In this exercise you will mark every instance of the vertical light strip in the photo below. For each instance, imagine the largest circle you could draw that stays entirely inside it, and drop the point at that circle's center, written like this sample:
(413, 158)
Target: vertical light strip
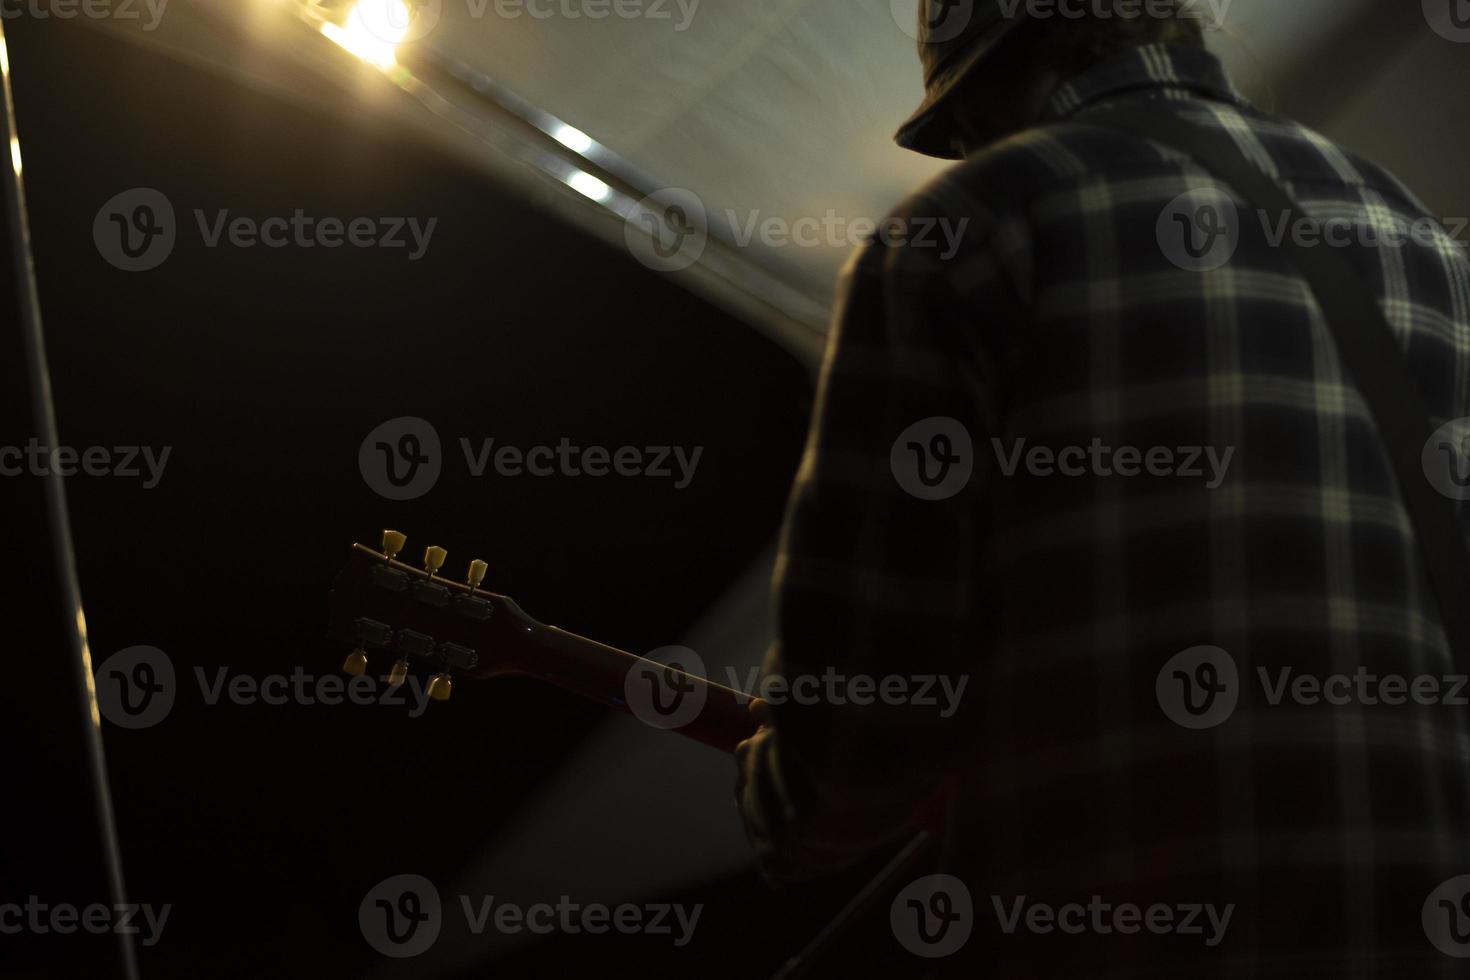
(72, 641)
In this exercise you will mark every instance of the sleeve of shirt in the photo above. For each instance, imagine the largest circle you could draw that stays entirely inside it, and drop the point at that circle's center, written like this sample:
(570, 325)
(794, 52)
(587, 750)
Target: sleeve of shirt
(880, 606)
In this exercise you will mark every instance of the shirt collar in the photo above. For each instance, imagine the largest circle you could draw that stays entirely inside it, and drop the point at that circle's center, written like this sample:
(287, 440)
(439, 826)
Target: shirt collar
(1166, 70)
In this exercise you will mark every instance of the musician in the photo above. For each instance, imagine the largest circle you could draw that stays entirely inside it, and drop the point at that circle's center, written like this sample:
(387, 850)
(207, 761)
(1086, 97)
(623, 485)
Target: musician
(1106, 464)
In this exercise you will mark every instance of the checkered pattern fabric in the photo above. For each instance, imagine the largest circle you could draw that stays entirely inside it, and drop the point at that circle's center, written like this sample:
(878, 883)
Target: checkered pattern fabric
(1100, 461)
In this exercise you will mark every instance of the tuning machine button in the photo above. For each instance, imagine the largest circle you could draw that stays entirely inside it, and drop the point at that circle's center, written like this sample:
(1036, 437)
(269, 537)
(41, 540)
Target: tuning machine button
(440, 687)
(393, 542)
(399, 672)
(476, 573)
(356, 663)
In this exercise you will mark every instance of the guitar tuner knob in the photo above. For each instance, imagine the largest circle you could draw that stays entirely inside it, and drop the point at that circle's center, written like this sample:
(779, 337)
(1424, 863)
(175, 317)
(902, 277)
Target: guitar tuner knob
(393, 542)
(398, 673)
(356, 663)
(440, 687)
(434, 558)
(477, 573)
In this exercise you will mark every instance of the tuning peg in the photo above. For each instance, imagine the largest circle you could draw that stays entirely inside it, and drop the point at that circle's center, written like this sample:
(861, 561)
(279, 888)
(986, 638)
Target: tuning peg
(477, 573)
(440, 687)
(434, 557)
(356, 663)
(398, 673)
(393, 542)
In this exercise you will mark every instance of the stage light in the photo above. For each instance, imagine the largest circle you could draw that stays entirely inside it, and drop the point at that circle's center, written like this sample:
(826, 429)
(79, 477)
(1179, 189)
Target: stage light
(372, 30)
(572, 138)
(589, 186)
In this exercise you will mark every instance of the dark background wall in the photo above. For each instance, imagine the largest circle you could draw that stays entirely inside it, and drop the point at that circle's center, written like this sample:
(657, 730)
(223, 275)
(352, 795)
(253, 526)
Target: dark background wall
(263, 370)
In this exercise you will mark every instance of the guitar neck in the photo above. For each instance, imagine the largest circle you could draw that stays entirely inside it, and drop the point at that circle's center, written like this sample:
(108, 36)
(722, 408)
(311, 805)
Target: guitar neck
(663, 697)
(391, 608)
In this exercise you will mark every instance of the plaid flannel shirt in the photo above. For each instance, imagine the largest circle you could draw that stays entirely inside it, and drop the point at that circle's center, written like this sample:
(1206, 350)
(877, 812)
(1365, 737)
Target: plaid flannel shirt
(1069, 326)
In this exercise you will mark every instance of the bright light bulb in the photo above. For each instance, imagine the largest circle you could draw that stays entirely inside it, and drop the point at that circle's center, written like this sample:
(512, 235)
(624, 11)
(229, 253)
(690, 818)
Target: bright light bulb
(589, 186)
(373, 30)
(572, 138)
(386, 20)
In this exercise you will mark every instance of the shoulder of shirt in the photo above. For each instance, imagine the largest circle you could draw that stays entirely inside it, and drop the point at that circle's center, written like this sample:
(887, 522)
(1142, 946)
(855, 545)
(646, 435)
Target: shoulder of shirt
(1003, 182)
(1007, 176)
(1000, 183)
(972, 200)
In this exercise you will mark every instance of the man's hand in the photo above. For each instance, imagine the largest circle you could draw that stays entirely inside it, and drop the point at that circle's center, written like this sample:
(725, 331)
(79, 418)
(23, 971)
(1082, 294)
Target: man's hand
(786, 850)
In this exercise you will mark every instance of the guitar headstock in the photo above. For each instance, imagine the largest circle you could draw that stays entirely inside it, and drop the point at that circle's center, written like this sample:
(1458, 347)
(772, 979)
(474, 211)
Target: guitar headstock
(404, 616)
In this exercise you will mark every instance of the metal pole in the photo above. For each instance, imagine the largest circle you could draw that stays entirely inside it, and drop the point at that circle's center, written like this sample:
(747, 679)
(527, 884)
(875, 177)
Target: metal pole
(59, 526)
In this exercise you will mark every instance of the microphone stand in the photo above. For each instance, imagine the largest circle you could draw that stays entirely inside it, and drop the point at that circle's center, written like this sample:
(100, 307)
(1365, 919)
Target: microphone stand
(63, 557)
(857, 907)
